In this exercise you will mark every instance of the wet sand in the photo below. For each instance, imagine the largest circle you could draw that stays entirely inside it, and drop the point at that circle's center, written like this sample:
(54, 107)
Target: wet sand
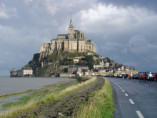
(13, 85)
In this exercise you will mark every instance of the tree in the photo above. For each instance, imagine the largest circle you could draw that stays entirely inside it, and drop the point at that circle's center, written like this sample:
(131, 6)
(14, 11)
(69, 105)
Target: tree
(108, 59)
(90, 61)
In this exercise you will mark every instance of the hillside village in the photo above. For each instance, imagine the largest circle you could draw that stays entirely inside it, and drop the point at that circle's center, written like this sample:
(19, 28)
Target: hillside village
(70, 55)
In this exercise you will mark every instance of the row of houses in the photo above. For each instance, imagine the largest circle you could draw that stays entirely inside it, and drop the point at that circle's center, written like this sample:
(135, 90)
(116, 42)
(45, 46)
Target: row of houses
(24, 72)
(102, 67)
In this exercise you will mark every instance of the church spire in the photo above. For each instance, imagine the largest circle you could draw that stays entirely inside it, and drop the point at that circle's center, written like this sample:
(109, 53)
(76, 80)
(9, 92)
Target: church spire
(71, 24)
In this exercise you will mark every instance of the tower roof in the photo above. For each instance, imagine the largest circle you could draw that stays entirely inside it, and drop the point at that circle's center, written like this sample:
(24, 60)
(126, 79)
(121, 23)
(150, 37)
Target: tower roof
(71, 24)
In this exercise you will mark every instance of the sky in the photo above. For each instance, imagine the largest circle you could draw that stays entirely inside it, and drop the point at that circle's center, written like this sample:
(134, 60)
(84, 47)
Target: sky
(123, 30)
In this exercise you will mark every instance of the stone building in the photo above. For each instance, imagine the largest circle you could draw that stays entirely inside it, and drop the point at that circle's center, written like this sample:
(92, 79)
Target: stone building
(24, 72)
(13, 73)
(74, 41)
(100, 65)
(27, 71)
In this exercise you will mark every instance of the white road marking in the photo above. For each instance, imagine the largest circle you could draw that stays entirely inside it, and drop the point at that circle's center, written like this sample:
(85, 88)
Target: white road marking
(119, 86)
(126, 94)
(139, 114)
(123, 90)
(131, 101)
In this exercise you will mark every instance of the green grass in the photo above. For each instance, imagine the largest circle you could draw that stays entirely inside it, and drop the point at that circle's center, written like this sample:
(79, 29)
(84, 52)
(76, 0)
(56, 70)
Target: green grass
(61, 88)
(27, 91)
(100, 104)
(18, 93)
(29, 103)
(23, 100)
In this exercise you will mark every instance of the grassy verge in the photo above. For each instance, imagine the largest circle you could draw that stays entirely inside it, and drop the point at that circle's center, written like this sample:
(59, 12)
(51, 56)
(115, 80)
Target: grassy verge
(40, 100)
(81, 79)
(27, 91)
(99, 106)
(18, 93)
(23, 100)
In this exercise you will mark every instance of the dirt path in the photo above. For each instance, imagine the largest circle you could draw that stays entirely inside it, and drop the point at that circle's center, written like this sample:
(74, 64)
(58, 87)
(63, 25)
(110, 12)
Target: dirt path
(65, 106)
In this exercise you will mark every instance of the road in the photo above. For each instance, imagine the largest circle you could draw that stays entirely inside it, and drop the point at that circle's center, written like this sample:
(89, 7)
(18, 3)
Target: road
(134, 99)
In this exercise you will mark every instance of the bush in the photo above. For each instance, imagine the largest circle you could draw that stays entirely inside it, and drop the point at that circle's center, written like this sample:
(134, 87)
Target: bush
(90, 61)
(81, 79)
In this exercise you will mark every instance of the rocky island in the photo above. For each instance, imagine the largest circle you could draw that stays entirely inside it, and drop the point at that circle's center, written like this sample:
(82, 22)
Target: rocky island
(70, 55)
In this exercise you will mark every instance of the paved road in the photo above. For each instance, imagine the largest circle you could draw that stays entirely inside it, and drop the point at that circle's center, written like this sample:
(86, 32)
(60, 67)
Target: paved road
(134, 99)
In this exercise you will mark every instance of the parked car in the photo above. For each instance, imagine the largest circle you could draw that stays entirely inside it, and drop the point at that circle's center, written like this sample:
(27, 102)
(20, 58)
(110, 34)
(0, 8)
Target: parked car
(135, 76)
(140, 75)
(119, 76)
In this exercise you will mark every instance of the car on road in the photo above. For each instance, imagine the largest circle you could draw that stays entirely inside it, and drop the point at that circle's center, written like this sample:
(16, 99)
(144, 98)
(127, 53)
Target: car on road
(139, 75)
(119, 76)
(135, 76)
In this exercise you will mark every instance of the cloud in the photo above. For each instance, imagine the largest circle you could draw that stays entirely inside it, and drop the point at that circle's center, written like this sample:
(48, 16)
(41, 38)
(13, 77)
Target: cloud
(5, 12)
(28, 1)
(18, 47)
(122, 32)
(48, 5)
(149, 4)
(140, 46)
(120, 18)
(118, 31)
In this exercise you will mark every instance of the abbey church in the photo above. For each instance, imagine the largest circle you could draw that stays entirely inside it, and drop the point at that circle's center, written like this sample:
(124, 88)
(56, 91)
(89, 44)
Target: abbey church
(74, 41)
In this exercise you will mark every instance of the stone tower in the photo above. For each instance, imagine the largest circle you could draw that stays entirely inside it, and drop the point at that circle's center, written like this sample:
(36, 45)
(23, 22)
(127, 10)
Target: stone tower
(71, 30)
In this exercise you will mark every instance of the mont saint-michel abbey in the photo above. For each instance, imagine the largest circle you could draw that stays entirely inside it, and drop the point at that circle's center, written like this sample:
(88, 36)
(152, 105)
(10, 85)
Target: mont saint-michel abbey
(74, 41)
(65, 57)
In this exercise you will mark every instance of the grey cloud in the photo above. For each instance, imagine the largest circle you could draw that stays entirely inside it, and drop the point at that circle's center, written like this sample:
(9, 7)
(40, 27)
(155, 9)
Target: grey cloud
(150, 4)
(114, 30)
(139, 45)
(5, 12)
(127, 35)
(35, 22)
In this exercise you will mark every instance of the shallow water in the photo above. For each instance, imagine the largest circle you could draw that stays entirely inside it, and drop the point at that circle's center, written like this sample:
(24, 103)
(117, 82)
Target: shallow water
(12, 85)
(11, 99)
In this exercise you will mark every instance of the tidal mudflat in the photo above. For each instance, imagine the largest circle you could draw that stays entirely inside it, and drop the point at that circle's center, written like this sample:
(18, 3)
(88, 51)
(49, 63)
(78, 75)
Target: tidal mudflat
(12, 85)
(11, 97)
